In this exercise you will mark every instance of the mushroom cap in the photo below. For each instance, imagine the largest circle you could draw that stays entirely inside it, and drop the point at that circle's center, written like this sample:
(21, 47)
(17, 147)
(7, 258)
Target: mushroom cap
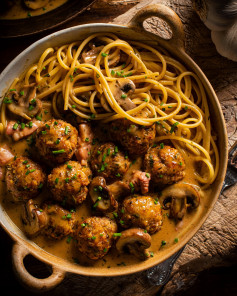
(121, 88)
(136, 241)
(23, 105)
(178, 197)
(101, 196)
(33, 218)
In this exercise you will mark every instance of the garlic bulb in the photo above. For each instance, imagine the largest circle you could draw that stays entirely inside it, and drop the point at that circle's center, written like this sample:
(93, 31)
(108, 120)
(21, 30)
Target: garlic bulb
(220, 16)
(226, 42)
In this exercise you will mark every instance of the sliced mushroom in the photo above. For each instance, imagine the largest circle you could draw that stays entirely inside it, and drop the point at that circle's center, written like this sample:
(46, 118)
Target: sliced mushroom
(119, 189)
(101, 196)
(33, 218)
(121, 89)
(180, 197)
(25, 104)
(35, 4)
(134, 241)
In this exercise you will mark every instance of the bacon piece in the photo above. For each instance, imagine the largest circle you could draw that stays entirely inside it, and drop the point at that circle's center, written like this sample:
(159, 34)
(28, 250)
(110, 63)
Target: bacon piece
(141, 180)
(5, 155)
(19, 133)
(84, 143)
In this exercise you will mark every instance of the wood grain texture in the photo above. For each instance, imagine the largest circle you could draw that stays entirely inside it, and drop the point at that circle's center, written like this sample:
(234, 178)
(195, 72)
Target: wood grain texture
(215, 243)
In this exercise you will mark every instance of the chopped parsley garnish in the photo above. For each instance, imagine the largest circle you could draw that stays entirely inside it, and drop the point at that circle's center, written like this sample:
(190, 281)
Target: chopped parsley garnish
(131, 187)
(44, 132)
(69, 239)
(38, 117)
(66, 180)
(56, 180)
(145, 231)
(22, 93)
(15, 126)
(25, 162)
(163, 243)
(69, 166)
(123, 96)
(176, 240)
(73, 106)
(93, 237)
(30, 124)
(57, 141)
(7, 101)
(117, 234)
(112, 72)
(147, 175)
(173, 127)
(104, 54)
(66, 130)
(162, 145)
(86, 139)
(118, 175)
(58, 151)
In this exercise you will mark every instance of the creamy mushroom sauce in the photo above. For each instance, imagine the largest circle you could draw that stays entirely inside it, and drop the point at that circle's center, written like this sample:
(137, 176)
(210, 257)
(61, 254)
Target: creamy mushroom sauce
(169, 234)
(19, 11)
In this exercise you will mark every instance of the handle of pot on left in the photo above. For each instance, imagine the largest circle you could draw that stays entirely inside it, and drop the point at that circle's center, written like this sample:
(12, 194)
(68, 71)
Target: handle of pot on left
(19, 252)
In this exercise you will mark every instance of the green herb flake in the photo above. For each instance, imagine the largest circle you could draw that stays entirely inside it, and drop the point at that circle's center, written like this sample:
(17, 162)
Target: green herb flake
(44, 132)
(173, 127)
(23, 125)
(15, 126)
(104, 54)
(66, 180)
(123, 96)
(30, 124)
(25, 162)
(131, 187)
(162, 145)
(176, 240)
(69, 239)
(147, 175)
(163, 243)
(58, 151)
(116, 234)
(69, 166)
(38, 117)
(66, 130)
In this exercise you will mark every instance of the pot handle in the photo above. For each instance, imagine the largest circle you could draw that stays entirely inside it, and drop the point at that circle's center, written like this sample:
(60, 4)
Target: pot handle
(19, 252)
(166, 14)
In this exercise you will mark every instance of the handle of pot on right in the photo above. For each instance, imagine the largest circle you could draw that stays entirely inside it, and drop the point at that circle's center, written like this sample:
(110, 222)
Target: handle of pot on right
(166, 14)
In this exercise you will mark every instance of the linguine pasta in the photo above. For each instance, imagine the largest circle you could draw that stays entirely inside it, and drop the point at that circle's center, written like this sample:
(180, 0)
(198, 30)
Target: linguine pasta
(166, 93)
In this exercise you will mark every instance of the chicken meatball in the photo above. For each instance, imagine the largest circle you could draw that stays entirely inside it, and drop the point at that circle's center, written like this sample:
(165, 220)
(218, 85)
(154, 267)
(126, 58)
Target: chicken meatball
(94, 236)
(56, 141)
(135, 138)
(68, 182)
(141, 211)
(24, 179)
(165, 164)
(109, 162)
(60, 221)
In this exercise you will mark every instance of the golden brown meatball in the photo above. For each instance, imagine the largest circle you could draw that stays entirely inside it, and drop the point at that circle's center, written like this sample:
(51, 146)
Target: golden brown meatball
(165, 164)
(60, 221)
(68, 182)
(108, 161)
(134, 138)
(141, 211)
(56, 141)
(95, 236)
(24, 179)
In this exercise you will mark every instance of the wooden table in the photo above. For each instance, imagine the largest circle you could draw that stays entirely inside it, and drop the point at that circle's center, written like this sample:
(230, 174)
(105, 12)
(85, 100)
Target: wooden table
(208, 264)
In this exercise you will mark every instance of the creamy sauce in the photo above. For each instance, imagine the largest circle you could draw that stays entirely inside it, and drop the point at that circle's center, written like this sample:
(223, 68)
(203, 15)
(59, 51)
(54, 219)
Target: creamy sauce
(170, 232)
(19, 11)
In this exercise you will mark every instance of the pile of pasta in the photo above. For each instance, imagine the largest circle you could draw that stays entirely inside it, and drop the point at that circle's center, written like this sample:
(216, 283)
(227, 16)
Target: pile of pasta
(166, 93)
